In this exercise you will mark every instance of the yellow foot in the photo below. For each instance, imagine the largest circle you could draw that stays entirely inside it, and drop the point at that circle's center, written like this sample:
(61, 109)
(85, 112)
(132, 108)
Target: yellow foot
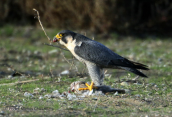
(89, 87)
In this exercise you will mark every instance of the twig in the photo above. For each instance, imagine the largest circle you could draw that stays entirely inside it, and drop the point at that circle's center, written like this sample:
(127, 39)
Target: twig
(15, 71)
(55, 46)
(46, 33)
(42, 25)
(72, 64)
(51, 73)
(19, 82)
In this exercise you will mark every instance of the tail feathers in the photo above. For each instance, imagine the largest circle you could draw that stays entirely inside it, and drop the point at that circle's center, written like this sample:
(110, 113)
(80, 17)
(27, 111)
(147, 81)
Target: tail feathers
(135, 71)
(140, 66)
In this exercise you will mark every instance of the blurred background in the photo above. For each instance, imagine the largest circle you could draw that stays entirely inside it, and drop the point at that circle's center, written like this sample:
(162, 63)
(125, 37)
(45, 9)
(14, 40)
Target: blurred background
(121, 25)
(127, 17)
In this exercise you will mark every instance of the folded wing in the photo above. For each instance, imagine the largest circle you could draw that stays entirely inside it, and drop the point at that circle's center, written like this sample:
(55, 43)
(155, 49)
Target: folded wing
(102, 56)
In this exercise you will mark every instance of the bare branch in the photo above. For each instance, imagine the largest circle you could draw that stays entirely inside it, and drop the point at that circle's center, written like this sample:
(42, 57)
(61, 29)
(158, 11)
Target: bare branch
(46, 33)
(55, 46)
(19, 82)
(72, 64)
(42, 25)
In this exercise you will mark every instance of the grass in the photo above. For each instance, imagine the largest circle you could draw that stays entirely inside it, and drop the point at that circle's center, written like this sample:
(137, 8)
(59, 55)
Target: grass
(27, 55)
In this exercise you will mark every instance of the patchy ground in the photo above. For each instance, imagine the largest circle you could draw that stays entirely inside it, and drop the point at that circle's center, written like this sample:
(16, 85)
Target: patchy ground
(27, 66)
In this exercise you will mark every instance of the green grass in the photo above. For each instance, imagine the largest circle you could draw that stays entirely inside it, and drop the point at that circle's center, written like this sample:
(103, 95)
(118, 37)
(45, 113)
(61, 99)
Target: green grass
(27, 54)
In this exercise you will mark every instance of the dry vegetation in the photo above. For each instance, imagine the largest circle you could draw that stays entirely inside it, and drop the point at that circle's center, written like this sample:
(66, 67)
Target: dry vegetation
(131, 16)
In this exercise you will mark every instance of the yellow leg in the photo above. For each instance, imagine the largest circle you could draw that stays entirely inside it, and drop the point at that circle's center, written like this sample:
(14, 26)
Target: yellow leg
(89, 87)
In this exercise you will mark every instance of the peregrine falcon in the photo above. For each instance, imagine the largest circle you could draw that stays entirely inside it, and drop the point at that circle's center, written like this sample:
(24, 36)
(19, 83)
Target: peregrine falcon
(95, 56)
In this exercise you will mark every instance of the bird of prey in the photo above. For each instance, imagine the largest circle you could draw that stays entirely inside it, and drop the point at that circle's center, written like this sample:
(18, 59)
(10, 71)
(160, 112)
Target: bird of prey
(95, 56)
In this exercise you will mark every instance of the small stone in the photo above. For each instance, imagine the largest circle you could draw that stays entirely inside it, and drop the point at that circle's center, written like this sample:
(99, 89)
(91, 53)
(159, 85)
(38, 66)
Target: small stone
(163, 84)
(18, 57)
(47, 96)
(164, 89)
(55, 94)
(9, 69)
(36, 52)
(41, 97)
(86, 93)
(98, 93)
(116, 93)
(22, 76)
(43, 90)
(2, 113)
(137, 96)
(124, 83)
(9, 76)
(53, 51)
(26, 94)
(28, 52)
(48, 99)
(71, 96)
(55, 91)
(64, 94)
(36, 90)
(82, 96)
(156, 86)
(20, 104)
(160, 59)
(23, 50)
(127, 91)
(152, 84)
(66, 72)
(149, 94)
(137, 83)
(107, 75)
(94, 98)
(43, 66)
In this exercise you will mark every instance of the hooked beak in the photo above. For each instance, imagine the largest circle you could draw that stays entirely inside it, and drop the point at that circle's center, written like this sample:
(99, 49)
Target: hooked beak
(57, 38)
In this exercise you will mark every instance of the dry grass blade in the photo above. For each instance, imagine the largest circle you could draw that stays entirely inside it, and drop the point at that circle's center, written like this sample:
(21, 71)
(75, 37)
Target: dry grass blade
(19, 82)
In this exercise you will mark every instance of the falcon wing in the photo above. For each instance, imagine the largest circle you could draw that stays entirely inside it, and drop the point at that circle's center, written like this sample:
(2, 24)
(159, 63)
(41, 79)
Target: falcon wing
(99, 54)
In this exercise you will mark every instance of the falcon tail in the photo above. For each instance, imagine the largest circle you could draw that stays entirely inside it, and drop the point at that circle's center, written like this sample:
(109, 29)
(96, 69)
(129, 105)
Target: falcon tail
(139, 66)
(135, 71)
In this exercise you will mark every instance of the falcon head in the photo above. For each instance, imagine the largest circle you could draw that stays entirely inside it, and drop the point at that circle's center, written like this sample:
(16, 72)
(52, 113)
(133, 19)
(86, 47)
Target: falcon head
(64, 36)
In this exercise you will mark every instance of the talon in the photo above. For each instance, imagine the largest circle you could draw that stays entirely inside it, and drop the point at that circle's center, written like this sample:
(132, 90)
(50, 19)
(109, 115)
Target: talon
(89, 87)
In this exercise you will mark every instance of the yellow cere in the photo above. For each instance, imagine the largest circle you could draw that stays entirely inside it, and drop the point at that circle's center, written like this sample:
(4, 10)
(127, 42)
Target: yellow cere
(58, 36)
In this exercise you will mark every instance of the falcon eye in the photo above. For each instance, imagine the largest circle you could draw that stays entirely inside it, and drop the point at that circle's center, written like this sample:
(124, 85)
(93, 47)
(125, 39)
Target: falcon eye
(61, 34)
